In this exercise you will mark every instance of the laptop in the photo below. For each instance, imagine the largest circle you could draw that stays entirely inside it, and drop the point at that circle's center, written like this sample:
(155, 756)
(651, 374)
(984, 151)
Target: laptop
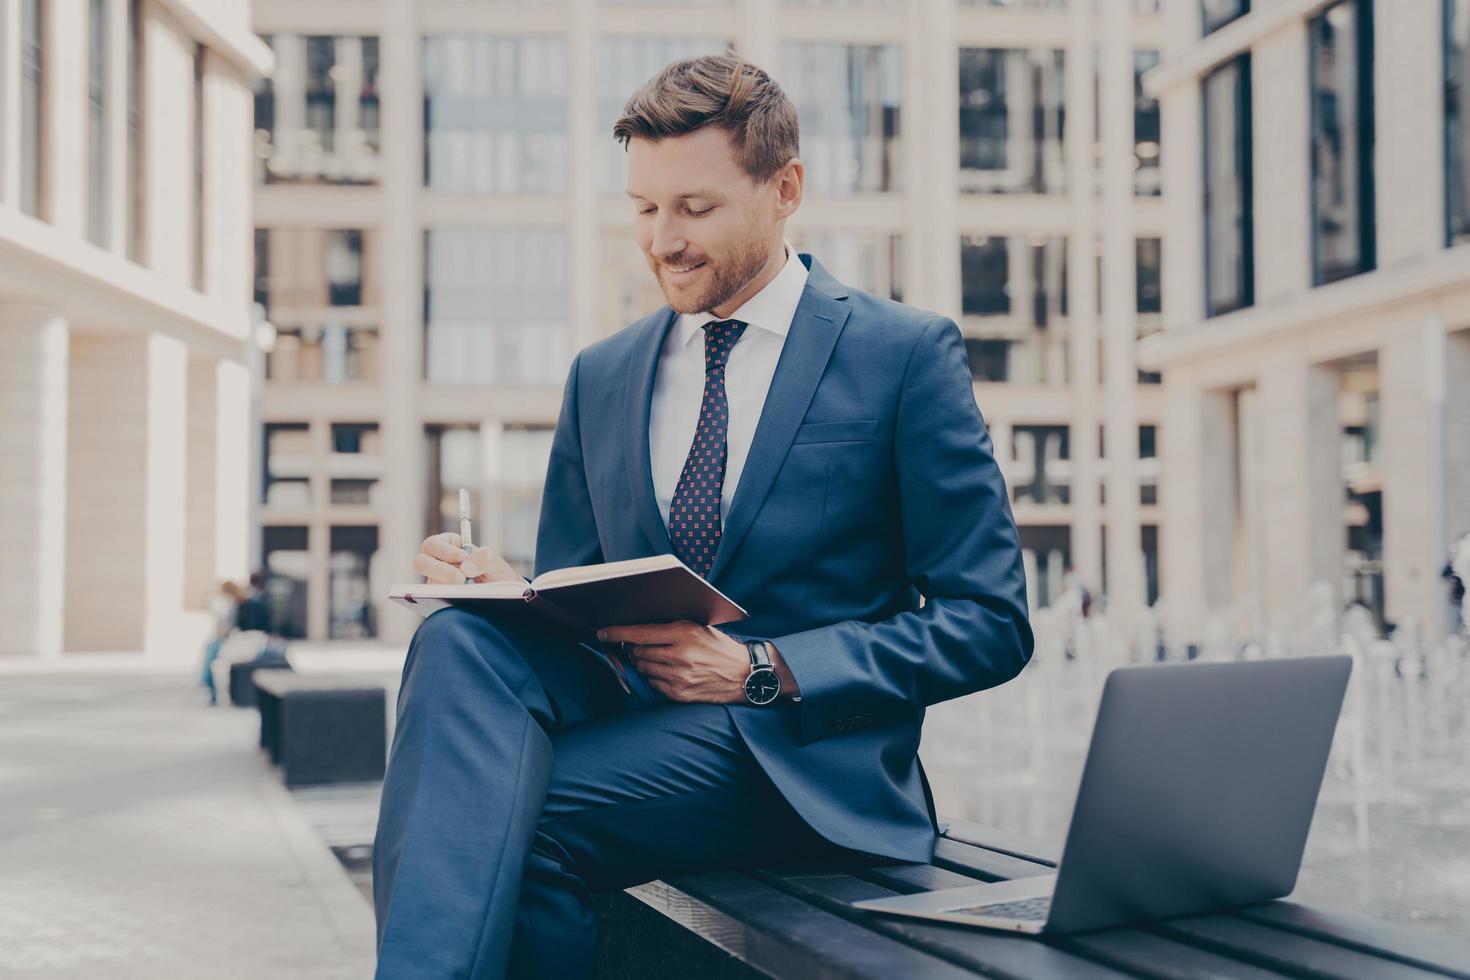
(1197, 795)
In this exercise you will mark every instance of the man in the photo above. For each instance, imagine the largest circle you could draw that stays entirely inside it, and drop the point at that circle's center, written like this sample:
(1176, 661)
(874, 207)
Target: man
(824, 463)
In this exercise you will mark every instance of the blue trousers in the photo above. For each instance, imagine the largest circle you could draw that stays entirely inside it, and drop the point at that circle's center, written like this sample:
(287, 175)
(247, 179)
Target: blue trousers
(521, 780)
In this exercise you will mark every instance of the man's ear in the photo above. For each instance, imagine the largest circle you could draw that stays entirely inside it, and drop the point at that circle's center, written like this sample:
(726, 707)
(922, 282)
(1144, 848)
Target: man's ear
(790, 184)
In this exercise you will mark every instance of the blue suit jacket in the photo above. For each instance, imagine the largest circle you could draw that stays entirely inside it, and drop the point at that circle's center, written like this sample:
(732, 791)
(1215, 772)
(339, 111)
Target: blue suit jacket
(870, 482)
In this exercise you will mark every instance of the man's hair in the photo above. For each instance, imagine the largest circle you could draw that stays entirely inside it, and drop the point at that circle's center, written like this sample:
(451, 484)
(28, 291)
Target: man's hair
(717, 90)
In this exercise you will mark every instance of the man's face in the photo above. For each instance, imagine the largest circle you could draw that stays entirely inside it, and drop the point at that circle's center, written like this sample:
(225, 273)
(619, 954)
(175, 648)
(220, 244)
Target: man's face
(704, 225)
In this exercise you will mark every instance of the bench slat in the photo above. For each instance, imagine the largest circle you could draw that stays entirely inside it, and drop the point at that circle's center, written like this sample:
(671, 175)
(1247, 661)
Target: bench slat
(1266, 946)
(1440, 953)
(964, 851)
(993, 954)
(1128, 949)
(779, 934)
(995, 839)
(977, 862)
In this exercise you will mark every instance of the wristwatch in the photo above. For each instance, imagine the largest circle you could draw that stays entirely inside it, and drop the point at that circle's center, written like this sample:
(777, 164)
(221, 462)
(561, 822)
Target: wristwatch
(762, 684)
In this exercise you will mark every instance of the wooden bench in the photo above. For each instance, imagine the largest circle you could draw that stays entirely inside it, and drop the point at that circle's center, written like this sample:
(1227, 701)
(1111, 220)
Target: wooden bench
(322, 728)
(781, 924)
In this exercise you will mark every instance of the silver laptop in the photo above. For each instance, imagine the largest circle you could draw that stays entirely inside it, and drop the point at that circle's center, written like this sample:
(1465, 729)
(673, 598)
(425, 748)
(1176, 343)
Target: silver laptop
(1197, 795)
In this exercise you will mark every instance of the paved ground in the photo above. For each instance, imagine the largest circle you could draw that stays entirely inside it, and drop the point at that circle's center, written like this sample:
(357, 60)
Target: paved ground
(143, 836)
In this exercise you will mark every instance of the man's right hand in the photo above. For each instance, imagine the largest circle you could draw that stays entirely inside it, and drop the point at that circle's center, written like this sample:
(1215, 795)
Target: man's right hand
(442, 560)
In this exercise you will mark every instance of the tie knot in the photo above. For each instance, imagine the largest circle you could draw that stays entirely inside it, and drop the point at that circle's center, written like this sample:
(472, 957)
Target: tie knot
(719, 340)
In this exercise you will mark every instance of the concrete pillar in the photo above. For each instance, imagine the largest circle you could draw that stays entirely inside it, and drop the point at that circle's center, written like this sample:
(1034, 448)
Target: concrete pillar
(1126, 582)
(1411, 392)
(402, 332)
(237, 486)
(585, 142)
(757, 40)
(1281, 177)
(931, 164)
(201, 481)
(10, 145)
(1408, 121)
(1302, 532)
(1082, 293)
(33, 397)
(1200, 507)
(1457, 435)
(64, 186)
(126, 495)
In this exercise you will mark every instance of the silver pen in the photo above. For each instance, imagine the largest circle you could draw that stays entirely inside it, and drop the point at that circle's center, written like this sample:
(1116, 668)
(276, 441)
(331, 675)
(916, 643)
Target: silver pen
(464, 521)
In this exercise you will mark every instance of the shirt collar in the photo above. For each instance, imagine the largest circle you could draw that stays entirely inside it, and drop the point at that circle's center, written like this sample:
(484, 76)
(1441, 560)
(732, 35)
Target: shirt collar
(770, 309)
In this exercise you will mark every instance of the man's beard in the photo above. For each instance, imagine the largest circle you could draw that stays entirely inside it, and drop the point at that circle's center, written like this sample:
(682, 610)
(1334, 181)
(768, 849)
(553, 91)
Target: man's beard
(726, 278)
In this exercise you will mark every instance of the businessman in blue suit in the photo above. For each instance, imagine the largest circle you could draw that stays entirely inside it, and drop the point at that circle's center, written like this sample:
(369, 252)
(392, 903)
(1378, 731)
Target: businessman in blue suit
(813, 451)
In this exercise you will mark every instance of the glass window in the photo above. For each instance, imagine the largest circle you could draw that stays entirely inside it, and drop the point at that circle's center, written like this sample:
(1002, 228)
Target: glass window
(1229, 250)
(302, 271)
(524, 453)
(135, 132)
(1013, 299)
(356, 438)
(287, 562)
(870, 261)
(1150, 260)
(98, 171)
(495, 114)
(309, 127)
(343, 267)
(624, 64)
(197, 255)
(32, 84)
(847, 97)
(1341, 73)
(1011, 121)
(1046, 553)
(329, 352)
(351, 614)
(1147, 146)
(496, 306)
(455, 463)
(286, 470)
(1041, 469)
(1457, 133)
(1215, 14)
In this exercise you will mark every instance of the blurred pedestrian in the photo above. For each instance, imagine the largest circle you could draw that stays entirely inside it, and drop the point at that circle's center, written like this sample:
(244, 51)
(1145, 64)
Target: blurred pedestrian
(224, 607)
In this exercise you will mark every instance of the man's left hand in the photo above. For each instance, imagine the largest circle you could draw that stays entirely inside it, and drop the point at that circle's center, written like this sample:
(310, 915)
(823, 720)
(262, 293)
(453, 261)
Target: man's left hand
(687, 661)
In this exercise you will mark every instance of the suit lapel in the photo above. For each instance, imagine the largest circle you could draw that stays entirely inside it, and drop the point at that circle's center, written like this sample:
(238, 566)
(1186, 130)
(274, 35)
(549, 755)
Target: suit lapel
(638, 402)
(819, 320)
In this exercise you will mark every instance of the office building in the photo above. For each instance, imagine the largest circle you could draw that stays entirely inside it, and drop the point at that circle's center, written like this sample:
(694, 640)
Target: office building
(124, 317)
(440, 226)
(1316, 355)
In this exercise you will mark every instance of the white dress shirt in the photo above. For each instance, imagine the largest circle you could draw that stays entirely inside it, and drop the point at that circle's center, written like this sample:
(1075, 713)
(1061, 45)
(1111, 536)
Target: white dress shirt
(678, 387)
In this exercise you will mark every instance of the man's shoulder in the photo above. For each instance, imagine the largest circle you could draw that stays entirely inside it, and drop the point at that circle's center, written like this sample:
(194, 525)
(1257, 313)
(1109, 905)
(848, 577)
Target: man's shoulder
(612, 352)
(887, 321)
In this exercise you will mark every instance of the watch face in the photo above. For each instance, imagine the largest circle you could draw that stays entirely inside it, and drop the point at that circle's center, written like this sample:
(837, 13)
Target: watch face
(762, 686)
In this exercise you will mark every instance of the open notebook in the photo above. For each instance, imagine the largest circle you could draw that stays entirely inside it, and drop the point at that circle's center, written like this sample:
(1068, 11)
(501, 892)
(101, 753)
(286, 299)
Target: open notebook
(585, 598)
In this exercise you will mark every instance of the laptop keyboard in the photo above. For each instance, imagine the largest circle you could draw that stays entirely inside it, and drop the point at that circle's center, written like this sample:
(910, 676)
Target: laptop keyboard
(1026, 908)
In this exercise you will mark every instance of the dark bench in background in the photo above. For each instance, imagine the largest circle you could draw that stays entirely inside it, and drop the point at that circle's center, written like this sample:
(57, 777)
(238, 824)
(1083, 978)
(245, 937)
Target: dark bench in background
(783, 924)
(322, 728)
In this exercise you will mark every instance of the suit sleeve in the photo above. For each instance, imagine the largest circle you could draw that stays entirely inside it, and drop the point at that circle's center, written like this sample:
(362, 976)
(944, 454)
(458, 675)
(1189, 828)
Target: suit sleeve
(961, 552)
(567, 533)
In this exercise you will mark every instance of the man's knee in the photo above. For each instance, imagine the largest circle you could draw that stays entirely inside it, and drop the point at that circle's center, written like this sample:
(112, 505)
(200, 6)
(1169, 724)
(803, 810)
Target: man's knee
(456, 639)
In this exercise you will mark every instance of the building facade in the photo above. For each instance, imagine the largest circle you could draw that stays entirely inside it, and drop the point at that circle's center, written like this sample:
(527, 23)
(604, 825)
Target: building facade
(1316, 355)
(440, 225)
(124, 317)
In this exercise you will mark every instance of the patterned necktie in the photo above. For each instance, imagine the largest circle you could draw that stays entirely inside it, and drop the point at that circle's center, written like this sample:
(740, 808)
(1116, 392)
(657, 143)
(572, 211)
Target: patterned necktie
(694, 513)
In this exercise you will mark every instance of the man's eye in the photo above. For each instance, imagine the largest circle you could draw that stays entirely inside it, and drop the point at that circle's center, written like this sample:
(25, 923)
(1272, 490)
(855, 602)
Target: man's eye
(647, 210)
(700, 212)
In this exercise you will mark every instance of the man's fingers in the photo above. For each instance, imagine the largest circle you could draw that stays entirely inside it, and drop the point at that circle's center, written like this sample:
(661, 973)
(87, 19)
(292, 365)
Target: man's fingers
(647, 633)
(444, 547)
(436, 571)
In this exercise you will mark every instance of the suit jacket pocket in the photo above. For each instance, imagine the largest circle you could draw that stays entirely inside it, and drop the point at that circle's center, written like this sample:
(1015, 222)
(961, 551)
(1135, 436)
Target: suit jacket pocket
(846, 430)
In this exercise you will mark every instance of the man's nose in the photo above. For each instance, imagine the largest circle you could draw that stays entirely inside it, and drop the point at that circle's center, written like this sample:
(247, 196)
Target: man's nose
(667, 239)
